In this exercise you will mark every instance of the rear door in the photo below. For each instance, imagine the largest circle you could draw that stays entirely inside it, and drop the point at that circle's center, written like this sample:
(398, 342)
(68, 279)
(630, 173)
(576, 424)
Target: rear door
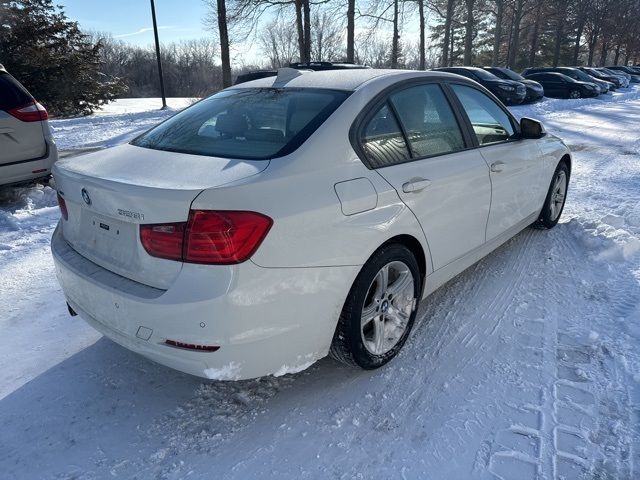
(19, 140)
(515, 165)
(553, 85)
(414, 141)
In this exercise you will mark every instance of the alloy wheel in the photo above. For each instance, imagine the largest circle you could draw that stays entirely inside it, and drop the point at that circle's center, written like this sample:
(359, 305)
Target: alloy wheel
(558, 195)
(387, 308)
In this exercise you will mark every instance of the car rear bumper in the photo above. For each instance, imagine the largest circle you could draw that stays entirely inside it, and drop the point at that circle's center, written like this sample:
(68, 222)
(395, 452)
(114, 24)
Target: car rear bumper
(17, 172)
(265, 320)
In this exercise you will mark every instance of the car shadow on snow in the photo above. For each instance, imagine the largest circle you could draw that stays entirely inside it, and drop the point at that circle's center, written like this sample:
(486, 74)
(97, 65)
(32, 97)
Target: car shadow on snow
(108, 412)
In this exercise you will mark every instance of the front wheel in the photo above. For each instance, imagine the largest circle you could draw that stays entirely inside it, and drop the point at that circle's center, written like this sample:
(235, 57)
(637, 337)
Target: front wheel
(556, 198)
(380, 309)
(574, 94)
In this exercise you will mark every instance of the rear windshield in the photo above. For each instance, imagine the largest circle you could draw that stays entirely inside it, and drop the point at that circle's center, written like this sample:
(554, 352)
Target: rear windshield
(12, 94)
(253, 123)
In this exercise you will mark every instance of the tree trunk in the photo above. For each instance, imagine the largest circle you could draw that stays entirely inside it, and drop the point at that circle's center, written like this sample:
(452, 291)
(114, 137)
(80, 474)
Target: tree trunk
(617, 56)
(517, 18)
(422, 65)
(576, 46)
(224, 43)
(447, 33)
(306, 10)
(300, 29)
(535, 35)
(604, 52)
(468, 34)
(497, 34)
(560, 19)
(351, 30)
(395, 41)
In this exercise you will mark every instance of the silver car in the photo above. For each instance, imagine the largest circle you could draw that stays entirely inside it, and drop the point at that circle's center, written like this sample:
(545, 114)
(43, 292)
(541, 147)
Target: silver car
(27, 150)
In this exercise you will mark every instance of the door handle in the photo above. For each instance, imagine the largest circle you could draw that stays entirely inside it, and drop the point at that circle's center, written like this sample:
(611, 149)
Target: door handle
(496, 167)
(415, 185)
(6, 130)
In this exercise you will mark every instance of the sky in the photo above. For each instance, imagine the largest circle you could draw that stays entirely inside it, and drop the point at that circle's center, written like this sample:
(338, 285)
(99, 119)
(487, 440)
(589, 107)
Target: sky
(130, 20)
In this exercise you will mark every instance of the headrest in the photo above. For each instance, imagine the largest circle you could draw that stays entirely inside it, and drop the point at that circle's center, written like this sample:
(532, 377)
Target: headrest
(232, 124)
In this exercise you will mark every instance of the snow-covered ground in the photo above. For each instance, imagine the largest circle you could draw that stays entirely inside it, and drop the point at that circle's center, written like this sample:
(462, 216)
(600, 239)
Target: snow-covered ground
(115, 123)
(526, 366)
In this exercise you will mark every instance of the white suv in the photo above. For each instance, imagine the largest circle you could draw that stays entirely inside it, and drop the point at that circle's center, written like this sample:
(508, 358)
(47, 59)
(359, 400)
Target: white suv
(27, 150)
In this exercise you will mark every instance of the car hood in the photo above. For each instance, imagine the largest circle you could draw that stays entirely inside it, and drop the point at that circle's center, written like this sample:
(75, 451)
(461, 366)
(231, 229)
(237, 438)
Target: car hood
(531, 83)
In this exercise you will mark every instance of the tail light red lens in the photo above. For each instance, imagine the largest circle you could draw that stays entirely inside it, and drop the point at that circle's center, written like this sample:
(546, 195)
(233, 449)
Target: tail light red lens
(63, 207)
(163, 241)
(208, 237)
(31, 112)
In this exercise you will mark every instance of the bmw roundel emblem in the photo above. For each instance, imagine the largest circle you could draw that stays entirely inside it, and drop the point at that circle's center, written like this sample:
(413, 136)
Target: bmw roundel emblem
(86, 197)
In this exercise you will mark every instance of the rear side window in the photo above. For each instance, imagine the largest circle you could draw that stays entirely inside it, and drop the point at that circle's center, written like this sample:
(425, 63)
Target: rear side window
(428, 120)
(490, 123)
(382, 140)
(12, 94)
(256, 124)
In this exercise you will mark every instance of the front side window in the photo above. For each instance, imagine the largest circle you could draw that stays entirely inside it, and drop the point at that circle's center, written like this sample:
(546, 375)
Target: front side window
(382, 140)
(428, 120)
(490, 123)
(254, 123)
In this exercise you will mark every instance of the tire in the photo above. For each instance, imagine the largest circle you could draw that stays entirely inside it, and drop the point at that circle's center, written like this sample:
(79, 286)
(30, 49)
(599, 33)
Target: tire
(575, 94)
(553, 203)
(390, 309)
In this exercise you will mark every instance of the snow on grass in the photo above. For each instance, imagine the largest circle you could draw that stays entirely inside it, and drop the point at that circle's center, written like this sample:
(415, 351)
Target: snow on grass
(116, 123)
(525, 366)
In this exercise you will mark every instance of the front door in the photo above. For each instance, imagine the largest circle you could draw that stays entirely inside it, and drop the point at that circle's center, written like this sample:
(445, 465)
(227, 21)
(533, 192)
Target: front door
(515, 165)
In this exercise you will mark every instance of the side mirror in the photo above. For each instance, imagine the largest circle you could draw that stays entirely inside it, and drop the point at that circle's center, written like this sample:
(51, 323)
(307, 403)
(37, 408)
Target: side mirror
(530, 128)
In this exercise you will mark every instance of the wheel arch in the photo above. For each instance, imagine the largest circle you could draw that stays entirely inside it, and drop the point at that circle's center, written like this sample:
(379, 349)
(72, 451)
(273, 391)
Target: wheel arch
(566, 158)
(414, 245)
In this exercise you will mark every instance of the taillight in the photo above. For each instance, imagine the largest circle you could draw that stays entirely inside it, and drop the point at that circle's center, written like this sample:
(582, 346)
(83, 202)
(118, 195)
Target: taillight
(163, 241)
(31, 112)
(208, 237)
(63, 207)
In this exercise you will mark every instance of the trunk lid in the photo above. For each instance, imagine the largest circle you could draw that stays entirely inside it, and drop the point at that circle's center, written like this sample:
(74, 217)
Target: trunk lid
(110, 193)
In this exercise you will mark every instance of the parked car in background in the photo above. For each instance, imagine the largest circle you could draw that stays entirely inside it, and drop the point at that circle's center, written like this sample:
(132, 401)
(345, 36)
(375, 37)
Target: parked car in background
(508, 91)
(534, 92)
(615, 80)
(571, 72)
(315, 66)
(633, 74)
(27, 150)
(276, 222)
(625, 78)
(559, 85)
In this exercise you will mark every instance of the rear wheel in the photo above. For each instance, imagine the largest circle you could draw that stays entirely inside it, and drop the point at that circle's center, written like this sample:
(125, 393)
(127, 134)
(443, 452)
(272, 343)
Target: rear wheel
(556, 197)
(380, 309)
(574, 94)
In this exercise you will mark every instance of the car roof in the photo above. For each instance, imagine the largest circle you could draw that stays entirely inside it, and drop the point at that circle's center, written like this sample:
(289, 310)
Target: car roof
(348, 79)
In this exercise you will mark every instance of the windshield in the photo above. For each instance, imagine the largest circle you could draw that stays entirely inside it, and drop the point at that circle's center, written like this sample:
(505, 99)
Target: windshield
(483, 74)
(253, 123)
(580, 75)
(510, 74)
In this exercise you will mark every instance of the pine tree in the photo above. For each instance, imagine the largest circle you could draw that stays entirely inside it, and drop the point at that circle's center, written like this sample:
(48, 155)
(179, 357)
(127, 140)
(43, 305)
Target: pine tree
(53, 59)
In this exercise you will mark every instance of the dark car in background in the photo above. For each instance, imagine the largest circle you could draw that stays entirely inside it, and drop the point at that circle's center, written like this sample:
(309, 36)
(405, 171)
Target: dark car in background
(558, 85)
(615, 80)
(635, 75)
(535, 91)
(315, 66)
(571, 72)
(508, 91)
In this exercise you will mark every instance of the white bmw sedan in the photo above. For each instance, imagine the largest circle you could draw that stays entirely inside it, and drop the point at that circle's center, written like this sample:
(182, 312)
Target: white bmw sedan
(297, 216)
